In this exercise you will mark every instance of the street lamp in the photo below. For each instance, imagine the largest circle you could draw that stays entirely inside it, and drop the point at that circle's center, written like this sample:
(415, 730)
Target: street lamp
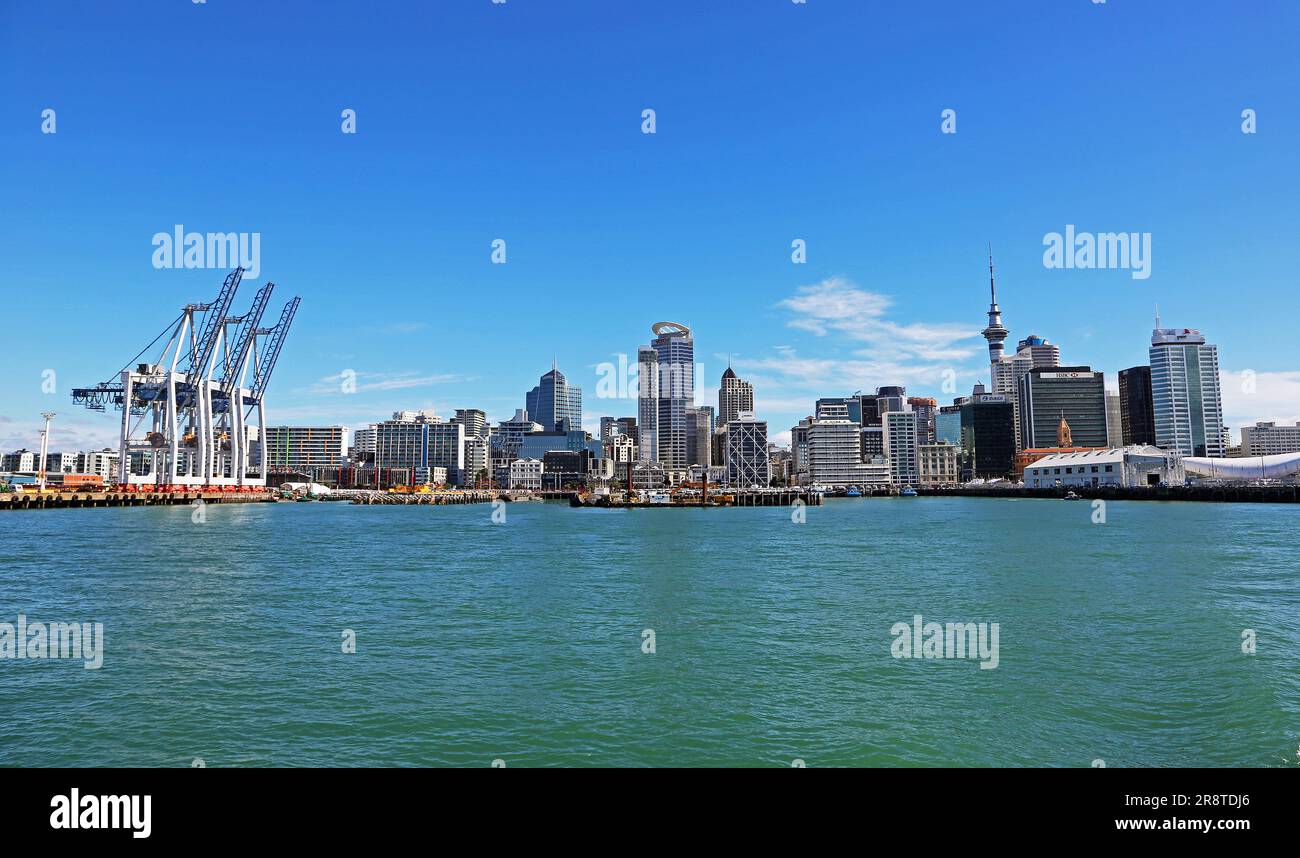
(45, 446)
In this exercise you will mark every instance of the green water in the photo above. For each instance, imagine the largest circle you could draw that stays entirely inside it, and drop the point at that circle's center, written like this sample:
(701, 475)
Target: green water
(522, 641)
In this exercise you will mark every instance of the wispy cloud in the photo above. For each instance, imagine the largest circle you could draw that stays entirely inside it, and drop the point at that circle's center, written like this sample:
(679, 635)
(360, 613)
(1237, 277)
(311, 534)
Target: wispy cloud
(368, 382)
(837, 305)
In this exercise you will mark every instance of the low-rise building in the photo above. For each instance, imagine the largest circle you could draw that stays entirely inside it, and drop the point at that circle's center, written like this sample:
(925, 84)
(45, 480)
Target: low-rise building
(1269, 439)
(1126, 467)
(939, 464)
(526, 474)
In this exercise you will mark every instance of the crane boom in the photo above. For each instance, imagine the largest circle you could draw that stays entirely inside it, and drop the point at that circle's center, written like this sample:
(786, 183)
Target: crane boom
(238, 351)
(271, 349)
(207, 341)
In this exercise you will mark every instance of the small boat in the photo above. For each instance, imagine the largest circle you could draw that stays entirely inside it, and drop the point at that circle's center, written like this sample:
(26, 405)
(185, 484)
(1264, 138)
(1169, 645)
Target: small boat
(907, 492)
(853, 492)
(1071, 496)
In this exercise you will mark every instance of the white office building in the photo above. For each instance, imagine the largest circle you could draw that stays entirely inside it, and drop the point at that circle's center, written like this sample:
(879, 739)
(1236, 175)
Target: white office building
(899, 429)
(835, 448)
(1185, 392)
(526, 474)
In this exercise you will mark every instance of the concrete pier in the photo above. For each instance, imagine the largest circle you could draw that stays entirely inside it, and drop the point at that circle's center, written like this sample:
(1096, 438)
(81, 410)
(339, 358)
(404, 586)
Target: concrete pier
(72, 500)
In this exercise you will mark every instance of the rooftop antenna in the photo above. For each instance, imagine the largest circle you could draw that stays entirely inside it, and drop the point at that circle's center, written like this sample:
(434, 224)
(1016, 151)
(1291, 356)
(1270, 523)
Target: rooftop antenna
(1157, 317)
(993, 292)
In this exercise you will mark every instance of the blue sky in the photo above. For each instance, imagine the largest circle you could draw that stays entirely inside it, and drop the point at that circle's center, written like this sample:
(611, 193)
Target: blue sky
(522, 121)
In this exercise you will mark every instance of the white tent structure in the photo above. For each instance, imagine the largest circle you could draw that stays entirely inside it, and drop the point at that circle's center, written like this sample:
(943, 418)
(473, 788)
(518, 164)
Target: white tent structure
(1245, 467)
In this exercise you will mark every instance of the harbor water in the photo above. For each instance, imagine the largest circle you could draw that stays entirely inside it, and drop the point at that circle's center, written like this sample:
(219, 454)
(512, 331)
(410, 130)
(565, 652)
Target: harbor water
(734, 637)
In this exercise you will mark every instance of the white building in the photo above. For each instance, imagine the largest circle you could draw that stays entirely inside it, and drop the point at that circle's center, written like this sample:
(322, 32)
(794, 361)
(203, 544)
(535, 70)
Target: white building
(734, 397)
(101, 463)
(900, 446)
(1269, 439)
(19, 461)
(1185, 393)
(526, 474)
(300, 447)
(835, 448)
(1127, 467)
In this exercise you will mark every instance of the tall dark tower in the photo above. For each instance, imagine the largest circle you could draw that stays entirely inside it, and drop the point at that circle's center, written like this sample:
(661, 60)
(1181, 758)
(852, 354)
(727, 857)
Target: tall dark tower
(994, 333)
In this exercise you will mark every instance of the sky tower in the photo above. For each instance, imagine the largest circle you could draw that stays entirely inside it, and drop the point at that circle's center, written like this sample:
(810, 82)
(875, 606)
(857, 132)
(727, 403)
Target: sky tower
(995, 333)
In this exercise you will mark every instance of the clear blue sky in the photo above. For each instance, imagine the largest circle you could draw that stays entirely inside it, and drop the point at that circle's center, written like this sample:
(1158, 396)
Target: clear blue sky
(522, 121)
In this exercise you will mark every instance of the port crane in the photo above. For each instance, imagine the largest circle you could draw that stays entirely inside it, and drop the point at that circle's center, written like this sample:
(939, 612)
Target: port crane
(185, 416)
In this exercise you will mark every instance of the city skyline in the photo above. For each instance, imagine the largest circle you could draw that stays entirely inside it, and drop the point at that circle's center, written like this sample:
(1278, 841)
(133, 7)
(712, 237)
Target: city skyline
(388, 233)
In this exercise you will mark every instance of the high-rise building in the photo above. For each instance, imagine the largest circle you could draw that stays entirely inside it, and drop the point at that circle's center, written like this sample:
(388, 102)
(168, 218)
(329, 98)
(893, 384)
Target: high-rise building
(1040, 351)
(1136, 410)
(699, 435)
(734, 396)
(900, 433)
(799, 449)
(294, 448)
(608, 428)
(1185, 394)
(555, 403)
(745, 458)
(1074, 393)
(672, 393)
(473, 419)
(421, 441)
(947, 425)
(835, 448)
(891, 398)
(925, 409)
(647, 403)
(1269, 439)
(627, 426)
(988, 436)
(1114, 421)
(363, 442)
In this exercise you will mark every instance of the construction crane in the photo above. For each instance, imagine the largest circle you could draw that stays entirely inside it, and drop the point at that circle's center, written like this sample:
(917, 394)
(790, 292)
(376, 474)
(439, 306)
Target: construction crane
(180, 416)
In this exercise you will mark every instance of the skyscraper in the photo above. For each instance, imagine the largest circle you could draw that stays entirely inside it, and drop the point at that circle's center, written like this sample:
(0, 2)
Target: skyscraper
(1136, 410)
(672, 391)
(647, 404)
(1186, 398)
(745, 459)
(555, 403)
(1073, 393)
(734, 396)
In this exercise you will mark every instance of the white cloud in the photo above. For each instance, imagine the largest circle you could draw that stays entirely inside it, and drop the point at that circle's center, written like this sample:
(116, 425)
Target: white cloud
(838, 305)
(367, 382)
(1250, 397)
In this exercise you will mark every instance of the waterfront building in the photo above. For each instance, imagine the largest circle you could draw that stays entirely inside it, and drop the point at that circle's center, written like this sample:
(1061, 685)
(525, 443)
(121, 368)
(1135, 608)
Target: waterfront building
(947, 425)
(1064, 444)
(101, 463)
(900, 433)
(526, 474)
(61, 463)
(1074, 393)
(478, 461)
(924, 408)
(668, 364)
(535, 445)
(420, 441)
(621, 449)
(298, 448)
(938, 464)
(734, 396)
(555, 403)
(988, 436)
(1269, 439)
(19, 462)
(1114, 421)
(1126, 467)
(745, 452)
(1186, 399)
(1136, 408)
(835, 448)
